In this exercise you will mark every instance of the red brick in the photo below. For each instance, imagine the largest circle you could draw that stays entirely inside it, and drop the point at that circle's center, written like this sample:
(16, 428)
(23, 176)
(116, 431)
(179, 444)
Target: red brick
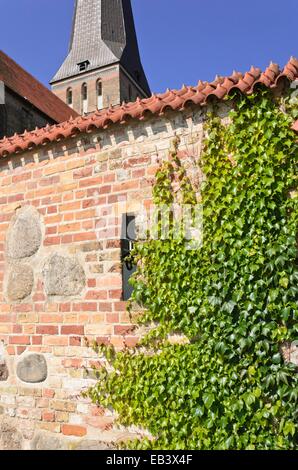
(80, 237)
(48, 393)
(73, 363)
(104, 307)
(120, 306)
(36, 340)
(52, 241)
(75, 341)
(17, 198)
(103, 340)
(17, 329)
(65, 307)
(112, 317)
(51, 230)
(89, 307)
(66, 239)
(115, 294)
(72, 330)
(83, 173)
(20, 350)
(51, 318)
(91, 282)
(52, 210)
(48, 416)
(11, 350)
(47, 330)
(96, 295)
(99, 191)
(123, 329)
(19, 340)
(73, 430)
(91, 182)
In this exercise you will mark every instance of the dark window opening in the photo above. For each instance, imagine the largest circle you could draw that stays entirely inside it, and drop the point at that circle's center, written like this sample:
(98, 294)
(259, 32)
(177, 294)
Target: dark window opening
(99, 94)
(128, 237)
(83, 65)
(99, 88)
(84, 91)
(84, 98)
(69, 96)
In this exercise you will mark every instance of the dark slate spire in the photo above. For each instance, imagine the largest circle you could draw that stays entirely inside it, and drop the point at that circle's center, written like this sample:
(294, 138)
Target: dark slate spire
(103, 34)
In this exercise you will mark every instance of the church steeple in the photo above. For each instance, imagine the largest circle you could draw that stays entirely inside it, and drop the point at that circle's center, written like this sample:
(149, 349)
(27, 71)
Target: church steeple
(103, 65)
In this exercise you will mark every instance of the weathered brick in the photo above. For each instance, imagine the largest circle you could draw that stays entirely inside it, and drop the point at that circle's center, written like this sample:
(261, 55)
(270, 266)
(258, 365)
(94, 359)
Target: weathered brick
(72, 330)
(47, 330)
(73, 430)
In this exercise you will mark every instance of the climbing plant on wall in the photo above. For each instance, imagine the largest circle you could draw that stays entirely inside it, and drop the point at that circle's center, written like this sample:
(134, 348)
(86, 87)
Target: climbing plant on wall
(234, 301)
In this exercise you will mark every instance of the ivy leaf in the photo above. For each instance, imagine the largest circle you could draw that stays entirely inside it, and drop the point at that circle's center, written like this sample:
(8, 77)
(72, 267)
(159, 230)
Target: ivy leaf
(289, 428)
(208, 400)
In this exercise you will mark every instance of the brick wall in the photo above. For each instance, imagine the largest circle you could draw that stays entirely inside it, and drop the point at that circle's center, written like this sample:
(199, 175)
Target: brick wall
(66, 195)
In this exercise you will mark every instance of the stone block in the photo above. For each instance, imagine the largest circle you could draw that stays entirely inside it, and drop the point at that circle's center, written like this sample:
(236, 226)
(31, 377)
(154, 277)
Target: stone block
(63, 276)
(24, 235)
(32, 369)
(20, 282)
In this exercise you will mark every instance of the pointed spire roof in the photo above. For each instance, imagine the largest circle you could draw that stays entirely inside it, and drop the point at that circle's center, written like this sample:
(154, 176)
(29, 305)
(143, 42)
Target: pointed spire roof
(103, 33)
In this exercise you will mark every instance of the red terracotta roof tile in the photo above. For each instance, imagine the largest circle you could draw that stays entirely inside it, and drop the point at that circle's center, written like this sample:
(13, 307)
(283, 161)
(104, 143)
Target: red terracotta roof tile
(295, 126)
(25, 85)
(155, 105)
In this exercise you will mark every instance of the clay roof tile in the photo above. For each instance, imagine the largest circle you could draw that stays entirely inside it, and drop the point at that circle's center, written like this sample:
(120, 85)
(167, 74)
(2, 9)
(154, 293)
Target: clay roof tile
(155, 105)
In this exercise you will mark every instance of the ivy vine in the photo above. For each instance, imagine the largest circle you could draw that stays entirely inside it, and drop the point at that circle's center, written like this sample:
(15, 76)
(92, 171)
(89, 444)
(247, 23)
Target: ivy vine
(235, 300)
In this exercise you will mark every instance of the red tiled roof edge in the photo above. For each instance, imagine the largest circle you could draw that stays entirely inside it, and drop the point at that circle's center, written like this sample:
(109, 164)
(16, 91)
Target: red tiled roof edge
(156, 105)
(295, 126)
(25, 85)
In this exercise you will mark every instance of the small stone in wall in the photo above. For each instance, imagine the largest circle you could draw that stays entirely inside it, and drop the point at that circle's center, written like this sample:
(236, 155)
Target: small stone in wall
(64, 276)
(32, 369)
(20, 282)
(294, 355)
(3, 371)
(24, 235)
(10, 437)
(290, 352)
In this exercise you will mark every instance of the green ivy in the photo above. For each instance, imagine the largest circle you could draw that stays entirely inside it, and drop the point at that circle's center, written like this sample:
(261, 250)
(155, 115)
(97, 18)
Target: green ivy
(235, 299)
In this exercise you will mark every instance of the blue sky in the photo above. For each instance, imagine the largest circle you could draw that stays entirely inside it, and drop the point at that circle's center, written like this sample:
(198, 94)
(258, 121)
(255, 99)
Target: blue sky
(181, 41)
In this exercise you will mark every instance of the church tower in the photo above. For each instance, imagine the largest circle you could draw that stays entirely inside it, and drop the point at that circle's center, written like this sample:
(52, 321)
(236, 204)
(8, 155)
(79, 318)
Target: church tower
(103, 65)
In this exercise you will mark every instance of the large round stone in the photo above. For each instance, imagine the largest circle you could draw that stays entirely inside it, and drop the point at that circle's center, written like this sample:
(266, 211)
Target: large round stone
(63, 276)
(20, 282)
(32, 369)
(24, 235)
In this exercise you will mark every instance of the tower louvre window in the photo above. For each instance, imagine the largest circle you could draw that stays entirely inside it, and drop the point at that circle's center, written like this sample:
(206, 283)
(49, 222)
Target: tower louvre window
(84, 98)
(99, 94)
(83, 65)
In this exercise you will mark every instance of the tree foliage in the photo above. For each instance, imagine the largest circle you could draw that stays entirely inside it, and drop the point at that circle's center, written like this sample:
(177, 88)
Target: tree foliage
(235, 299)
